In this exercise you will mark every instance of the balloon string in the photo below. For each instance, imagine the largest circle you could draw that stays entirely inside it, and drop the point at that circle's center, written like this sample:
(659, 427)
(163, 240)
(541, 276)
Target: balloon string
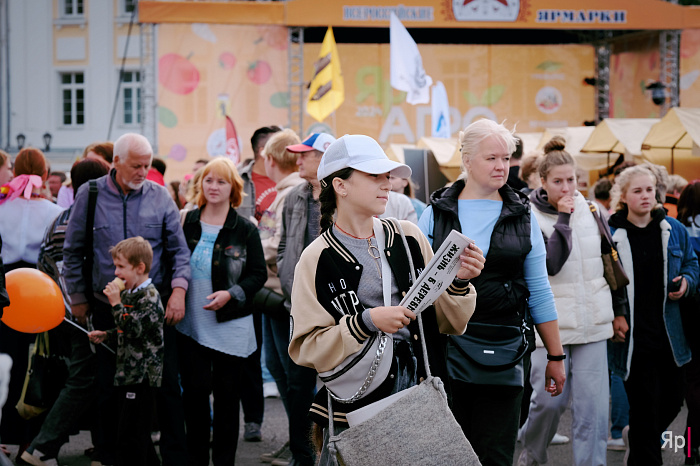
(84, 330)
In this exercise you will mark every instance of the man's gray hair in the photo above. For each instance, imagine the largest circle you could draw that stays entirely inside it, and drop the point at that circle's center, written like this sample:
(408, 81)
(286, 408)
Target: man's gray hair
(132, 143)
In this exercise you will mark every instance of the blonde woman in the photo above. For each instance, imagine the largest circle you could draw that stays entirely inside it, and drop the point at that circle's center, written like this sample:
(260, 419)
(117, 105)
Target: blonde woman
(662, 267)
(216, 338)
(513, 287)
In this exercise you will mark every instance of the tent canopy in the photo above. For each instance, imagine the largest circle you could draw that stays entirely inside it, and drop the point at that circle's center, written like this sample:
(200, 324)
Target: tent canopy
(446, 153)
(673, 142)
(620, 135)
(531, 142)
(575, 136)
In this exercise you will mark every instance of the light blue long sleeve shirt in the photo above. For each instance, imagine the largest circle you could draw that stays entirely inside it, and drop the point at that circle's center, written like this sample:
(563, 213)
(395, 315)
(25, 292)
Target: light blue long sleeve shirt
(478, 218)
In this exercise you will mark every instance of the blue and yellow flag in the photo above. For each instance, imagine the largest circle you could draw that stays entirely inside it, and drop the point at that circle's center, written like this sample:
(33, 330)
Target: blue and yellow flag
(326, 91)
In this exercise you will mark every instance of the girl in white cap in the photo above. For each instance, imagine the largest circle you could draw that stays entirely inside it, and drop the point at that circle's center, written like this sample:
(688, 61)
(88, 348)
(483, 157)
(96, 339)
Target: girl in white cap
(338, 297)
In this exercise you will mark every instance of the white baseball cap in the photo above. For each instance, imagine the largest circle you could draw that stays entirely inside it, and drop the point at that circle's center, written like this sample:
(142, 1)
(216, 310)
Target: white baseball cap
(316, 141)
(361, 153)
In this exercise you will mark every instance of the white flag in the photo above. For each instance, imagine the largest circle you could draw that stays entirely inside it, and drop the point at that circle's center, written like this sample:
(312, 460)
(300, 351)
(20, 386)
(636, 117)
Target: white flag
(441, 112)
(407, 73)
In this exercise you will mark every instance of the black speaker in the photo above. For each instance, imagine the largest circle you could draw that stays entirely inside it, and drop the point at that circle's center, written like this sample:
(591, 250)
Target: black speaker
(426, 172)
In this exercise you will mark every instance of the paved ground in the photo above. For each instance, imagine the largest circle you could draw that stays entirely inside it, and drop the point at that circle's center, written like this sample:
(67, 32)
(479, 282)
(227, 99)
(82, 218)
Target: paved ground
(275, 433)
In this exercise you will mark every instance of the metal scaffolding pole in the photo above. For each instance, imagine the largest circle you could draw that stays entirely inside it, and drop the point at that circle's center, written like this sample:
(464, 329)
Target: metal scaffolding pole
(149, 78)
(669, 47)
(669, 51)
(602, 55)
(295, 78)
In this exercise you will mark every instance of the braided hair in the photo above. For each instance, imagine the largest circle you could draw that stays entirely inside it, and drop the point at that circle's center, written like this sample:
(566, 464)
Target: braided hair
(327, 196)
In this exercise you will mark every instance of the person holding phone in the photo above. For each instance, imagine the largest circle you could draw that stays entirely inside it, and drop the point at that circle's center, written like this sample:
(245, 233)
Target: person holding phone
(657, 254)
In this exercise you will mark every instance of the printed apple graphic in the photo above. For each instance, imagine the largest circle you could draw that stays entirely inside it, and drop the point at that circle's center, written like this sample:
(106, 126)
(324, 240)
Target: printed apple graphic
(177, 74)
(259, 72)
(178, 152)
(227, 60)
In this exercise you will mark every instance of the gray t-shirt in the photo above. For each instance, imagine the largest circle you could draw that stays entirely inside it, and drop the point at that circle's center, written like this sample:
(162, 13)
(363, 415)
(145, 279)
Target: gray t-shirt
(370, 290)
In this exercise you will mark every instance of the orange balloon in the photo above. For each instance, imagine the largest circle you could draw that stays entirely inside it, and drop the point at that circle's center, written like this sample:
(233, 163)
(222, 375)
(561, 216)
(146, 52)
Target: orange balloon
(36, 302)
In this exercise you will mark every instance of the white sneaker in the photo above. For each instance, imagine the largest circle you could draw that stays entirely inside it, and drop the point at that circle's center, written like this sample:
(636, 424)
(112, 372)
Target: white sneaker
(626, 439)
(616, 444)
(525, 460)
(559, 439)
(270, 390)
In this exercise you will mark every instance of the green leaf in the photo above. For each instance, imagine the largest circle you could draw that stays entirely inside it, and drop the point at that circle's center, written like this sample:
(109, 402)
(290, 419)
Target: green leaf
(471, 98)
(642, 86)
(280, 100)
(166, 117)
(619, 108)
(492, 95)
(549, 66)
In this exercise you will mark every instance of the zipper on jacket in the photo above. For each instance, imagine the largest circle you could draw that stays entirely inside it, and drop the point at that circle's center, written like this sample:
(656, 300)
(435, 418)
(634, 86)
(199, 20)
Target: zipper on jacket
(124, 214)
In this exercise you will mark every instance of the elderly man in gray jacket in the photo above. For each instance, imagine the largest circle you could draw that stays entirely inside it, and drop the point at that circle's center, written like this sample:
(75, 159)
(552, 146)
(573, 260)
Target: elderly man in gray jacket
(128, 205)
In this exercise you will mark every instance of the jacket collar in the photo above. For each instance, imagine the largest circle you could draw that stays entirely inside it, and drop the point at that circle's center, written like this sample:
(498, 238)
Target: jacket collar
(230, 223)
(516, 202)
(114, 186)
(290, 180)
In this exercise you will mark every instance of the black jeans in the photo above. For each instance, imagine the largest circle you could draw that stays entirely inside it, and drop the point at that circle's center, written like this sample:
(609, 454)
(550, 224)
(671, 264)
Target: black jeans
(489, 416)
(205, 371)
(134, 445)
(655, 392)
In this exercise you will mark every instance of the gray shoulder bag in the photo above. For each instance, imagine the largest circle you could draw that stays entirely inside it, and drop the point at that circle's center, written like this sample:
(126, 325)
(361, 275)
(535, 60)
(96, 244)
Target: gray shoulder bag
(414, 426)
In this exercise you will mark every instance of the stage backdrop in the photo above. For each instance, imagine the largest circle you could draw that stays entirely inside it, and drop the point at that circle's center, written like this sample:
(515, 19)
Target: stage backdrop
(206, 70)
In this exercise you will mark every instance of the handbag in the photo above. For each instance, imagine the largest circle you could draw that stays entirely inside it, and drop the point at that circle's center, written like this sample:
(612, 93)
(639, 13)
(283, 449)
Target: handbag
(46, 376)
(612, 268)
(489, 355)
(416, 428)
(270, 303)
(364, 371)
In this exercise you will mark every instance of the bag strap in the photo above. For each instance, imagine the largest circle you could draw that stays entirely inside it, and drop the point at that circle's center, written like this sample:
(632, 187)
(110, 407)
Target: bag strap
(605, 237)
(89, 237)
(384, 339)
(397, 225)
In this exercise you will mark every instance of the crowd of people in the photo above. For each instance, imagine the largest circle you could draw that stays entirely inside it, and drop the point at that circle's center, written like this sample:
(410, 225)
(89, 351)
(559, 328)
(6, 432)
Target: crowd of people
(292, 263)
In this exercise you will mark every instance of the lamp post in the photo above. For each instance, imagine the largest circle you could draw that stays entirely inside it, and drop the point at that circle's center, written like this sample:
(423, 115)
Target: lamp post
(20, 141)
(47, 141)
(658, 92)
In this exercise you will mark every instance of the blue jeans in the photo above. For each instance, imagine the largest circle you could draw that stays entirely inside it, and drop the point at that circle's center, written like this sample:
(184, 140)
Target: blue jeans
(296, 385)
(620, 409)
(276, 343)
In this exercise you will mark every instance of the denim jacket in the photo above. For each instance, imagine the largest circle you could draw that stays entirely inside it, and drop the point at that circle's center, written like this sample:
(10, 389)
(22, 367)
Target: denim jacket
(680, 259)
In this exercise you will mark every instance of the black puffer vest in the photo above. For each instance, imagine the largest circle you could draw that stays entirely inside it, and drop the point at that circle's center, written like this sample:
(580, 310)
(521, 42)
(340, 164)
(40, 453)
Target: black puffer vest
(502, 293)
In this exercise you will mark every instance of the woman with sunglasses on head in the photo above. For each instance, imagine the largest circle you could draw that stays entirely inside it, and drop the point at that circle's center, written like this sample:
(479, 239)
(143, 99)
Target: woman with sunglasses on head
(338, 299)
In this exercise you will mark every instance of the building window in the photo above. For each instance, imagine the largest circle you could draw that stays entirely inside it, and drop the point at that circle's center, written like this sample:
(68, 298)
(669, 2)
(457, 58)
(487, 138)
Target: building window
(131, 97)
(72, 8)
(73, 99)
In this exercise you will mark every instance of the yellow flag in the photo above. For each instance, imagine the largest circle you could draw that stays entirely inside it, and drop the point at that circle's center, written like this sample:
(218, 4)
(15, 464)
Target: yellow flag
(326, 91)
